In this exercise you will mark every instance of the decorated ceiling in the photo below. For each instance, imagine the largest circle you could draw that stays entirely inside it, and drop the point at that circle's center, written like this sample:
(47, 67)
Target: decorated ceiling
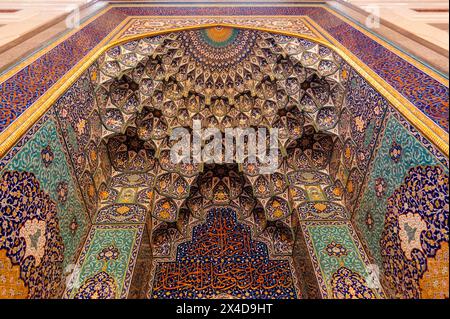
(225, 78)
(122, 220)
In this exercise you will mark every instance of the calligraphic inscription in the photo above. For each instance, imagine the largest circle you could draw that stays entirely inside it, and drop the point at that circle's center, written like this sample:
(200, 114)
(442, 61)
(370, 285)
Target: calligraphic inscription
(223, 260)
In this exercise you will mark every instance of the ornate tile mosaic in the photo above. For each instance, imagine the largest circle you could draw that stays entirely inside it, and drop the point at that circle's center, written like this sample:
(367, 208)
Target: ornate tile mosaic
(223, 261)
(399, 151)
(139, 26)
(106, 264)
(81, 130)
(406, 185)
(340, 263)
(340, 138)
(122, 213)
(22, 89)
(44, 156)
(43, 216)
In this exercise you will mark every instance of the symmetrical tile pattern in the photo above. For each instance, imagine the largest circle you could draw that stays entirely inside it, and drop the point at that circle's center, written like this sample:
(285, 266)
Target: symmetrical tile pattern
(42, 213)
(223, 261)
(402, 214)
(339, 137)
(22, 89)
(138, 26)
(106, 263)
(341, 265)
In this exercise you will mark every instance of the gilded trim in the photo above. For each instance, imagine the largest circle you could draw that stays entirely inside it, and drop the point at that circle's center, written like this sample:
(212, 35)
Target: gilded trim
(304, 19)
(393, 49)
(388, 46)
(21, 125)
(416, 117)
(5, 76)
(15, 131)
(119, 41)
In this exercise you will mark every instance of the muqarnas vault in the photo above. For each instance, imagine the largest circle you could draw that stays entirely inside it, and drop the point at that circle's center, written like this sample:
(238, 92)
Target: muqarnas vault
(91, 187)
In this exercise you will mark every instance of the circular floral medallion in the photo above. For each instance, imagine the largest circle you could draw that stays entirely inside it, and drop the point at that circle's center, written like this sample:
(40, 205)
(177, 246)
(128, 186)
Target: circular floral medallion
(109, 253)
(219, 47)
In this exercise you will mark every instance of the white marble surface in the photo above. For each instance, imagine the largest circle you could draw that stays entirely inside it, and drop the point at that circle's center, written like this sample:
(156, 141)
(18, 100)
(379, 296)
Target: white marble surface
(427, 19)
(32, 15)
